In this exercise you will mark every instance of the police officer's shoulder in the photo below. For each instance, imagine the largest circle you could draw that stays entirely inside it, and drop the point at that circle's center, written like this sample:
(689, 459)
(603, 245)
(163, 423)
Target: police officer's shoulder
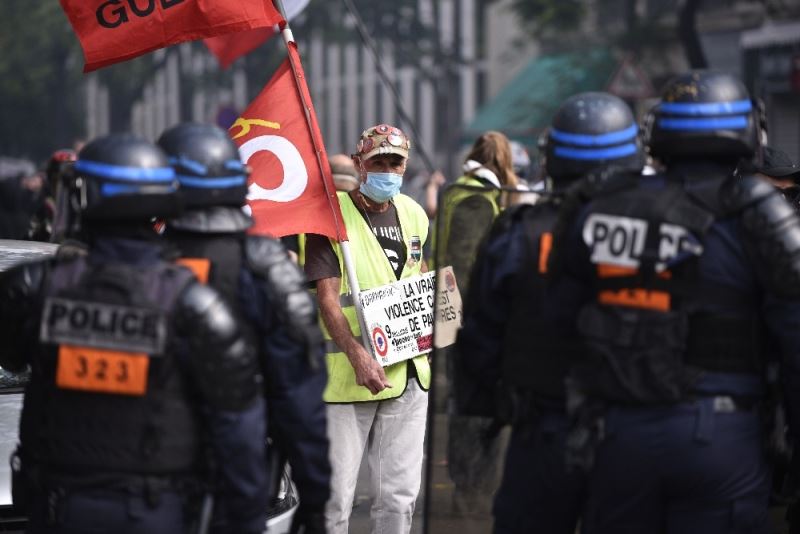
(508, 218)
(269, 260)
(739, 192)
(608, 181)
(226, 368)
(262, 253)
(200, 306)
(285, 284)
(771, 229)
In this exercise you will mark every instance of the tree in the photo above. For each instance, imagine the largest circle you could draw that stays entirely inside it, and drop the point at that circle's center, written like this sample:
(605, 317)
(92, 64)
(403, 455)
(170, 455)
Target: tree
(548, 20)
(40, 100)
(545, 17)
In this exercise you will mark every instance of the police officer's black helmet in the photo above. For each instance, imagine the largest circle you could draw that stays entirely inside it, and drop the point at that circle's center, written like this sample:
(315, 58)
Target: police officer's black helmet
(121, 177)
(207, 165)
(703, 114)
(591, 131)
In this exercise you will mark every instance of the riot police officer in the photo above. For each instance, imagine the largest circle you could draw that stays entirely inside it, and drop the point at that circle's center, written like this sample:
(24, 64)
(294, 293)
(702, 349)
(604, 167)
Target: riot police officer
(692, 272)
(519, 335)
(268, 294)
(141, 380)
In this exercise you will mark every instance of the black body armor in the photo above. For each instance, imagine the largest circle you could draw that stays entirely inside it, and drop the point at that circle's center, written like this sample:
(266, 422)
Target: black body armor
(216, 234)
(650, 332)
(542, 366)
(106, 394)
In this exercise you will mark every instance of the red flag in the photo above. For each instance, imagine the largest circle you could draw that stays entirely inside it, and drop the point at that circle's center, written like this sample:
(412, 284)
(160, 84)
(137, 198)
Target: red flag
(289, 192)
(111, 31)
(230, 47)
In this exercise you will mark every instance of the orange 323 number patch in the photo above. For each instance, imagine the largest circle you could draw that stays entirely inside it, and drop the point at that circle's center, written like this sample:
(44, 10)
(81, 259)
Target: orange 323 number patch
(102, 371)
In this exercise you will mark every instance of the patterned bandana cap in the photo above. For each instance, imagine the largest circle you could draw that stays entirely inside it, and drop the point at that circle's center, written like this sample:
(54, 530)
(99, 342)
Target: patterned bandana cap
(382, 139)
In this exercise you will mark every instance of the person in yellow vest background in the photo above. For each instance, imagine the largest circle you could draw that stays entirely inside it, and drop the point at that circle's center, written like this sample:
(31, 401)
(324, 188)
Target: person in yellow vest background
(372, 410)
(471, 203)
(468, 208)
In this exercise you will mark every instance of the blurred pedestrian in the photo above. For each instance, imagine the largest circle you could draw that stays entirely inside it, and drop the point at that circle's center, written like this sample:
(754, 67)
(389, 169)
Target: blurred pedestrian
(469, 206)
(20, 186)
(423, 188)
(778, 168)
(471, 203)
(523, 168)
(345, 174)
(43, 222)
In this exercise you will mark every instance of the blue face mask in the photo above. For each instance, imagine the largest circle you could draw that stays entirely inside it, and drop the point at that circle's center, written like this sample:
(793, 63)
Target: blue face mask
(381, 186)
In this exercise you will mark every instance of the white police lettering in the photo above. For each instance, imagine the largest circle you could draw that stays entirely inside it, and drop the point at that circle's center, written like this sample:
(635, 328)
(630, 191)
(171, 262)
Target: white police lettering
(620, 241)
(615, 240)
(295, 174)
(676, 240)
(105, 326)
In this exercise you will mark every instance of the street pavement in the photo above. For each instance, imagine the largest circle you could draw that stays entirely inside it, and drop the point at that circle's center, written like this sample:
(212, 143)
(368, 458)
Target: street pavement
(443, 518)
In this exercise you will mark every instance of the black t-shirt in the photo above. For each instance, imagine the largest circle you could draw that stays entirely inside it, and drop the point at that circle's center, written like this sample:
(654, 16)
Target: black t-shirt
(321, 261)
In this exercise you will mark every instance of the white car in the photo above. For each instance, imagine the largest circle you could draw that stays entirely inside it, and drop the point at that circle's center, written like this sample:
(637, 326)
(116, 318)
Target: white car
(12, 387)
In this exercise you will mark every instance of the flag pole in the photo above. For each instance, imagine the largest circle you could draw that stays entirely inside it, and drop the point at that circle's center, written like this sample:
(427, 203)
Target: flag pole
(347, 256)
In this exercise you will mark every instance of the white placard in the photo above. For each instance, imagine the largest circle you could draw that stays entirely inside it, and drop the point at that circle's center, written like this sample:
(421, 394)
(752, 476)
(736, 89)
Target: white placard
(448, 308)
(400, 316)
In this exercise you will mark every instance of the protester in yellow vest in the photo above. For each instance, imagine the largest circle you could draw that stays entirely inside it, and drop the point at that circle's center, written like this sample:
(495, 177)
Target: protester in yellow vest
(469, 207)
(472, 202)
(374, 410)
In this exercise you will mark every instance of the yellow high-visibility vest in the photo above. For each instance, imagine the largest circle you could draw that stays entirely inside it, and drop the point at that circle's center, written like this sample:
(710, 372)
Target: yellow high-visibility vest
(454, 195)
(373, 270)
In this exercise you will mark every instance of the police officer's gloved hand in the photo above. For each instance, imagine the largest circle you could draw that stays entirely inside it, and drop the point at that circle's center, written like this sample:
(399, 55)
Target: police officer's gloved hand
(308, 522)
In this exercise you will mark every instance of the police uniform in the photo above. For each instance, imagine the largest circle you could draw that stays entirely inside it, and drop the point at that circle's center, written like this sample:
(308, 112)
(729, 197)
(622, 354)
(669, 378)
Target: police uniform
(468, 208)
(519, 337)
(267, 292)
(691, 272)
(143, 391)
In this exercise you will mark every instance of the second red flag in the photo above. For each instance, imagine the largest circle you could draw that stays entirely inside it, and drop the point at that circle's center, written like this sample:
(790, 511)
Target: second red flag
(289, 191)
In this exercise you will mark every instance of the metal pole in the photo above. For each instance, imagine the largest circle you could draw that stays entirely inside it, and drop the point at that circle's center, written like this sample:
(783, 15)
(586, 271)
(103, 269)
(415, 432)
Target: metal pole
(347, 256)
(365, 37)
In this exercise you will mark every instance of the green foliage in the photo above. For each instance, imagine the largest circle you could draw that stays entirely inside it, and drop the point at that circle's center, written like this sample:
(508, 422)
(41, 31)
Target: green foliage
(547, 17)
(40, 102)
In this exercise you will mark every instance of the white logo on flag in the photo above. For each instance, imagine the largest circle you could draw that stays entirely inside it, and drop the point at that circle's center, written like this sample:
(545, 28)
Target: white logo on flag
(295, 174)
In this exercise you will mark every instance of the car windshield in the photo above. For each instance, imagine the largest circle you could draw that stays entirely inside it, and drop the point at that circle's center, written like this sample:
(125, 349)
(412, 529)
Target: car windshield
(12, 382)
(14, 253)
